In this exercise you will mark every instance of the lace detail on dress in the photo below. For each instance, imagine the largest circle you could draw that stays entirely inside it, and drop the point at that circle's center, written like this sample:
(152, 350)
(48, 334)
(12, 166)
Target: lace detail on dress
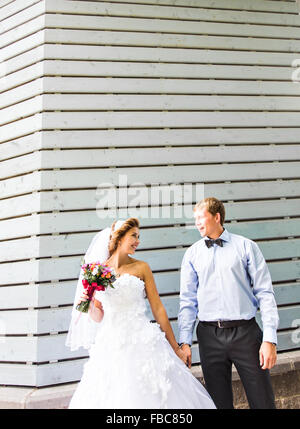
(125, 315)
(132, 365)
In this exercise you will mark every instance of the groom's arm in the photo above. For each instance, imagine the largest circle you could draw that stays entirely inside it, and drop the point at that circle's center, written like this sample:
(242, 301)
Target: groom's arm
(263, 291)
(188, 300)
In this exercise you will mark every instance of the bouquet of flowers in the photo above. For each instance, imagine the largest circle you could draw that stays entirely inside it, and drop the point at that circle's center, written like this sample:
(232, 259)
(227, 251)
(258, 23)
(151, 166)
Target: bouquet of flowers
(96, 276)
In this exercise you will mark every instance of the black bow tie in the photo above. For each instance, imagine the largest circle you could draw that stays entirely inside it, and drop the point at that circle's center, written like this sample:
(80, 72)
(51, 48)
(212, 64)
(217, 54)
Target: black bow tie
(210, 242)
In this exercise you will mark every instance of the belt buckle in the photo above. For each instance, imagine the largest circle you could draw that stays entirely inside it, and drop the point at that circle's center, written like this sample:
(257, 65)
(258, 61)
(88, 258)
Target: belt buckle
(219, 324)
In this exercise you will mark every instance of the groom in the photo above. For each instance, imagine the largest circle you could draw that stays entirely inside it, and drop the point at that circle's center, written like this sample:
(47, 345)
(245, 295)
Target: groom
(224, 279)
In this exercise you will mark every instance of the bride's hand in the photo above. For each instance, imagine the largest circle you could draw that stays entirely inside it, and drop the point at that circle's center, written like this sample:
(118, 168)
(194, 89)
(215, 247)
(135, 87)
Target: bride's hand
(181, 355)
(84, 297)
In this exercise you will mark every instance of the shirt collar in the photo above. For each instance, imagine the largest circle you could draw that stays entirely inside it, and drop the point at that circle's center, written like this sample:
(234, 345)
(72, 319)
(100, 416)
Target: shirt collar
(224, 236)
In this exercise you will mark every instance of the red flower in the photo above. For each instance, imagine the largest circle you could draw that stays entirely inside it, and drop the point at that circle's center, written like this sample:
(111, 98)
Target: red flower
(85, 283)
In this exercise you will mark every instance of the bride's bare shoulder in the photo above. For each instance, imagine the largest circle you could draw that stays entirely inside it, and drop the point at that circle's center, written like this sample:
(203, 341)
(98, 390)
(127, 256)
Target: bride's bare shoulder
(142, 266)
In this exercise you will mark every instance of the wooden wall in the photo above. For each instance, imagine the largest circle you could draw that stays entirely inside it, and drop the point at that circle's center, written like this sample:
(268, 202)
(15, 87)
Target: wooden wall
(164, 92)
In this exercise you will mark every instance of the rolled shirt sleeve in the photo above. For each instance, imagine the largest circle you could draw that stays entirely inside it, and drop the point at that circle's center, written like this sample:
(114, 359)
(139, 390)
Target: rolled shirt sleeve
(188, 300)
(263, 291)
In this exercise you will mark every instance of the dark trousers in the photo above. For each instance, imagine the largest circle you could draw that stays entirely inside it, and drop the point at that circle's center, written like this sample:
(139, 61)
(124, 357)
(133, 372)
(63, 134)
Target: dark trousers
(220, 348)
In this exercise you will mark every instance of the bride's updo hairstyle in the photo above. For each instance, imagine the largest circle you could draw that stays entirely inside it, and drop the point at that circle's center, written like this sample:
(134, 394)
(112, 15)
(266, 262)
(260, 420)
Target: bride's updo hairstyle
(116, 236)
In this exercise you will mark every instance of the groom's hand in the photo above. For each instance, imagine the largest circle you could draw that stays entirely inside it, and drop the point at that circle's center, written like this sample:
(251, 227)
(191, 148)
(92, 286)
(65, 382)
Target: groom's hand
(267, 355)
(188, 354)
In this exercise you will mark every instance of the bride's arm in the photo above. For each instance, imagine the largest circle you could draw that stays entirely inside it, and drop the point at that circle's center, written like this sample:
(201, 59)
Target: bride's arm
(96, 310)
(159, 311)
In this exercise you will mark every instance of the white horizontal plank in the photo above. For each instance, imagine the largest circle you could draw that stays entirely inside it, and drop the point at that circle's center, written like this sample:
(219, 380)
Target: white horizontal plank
(152, 70)
(36, 321)
(12, 374)
(256, 5)
(16, 8)
(171, 12)
(23, 45)
(154, 102)
(95, 102)
(41, 375)
(20, 31)
(171, 174)
(22, 110)
(19, 321)
(24, 92)
(174, 86)
(74, 158)
(23, 60)
(5, 2)
(130, 38)
(165, 137)
(21, 146)
(96, 120)
(142, 138)
(22, 127)
(61, 372)
(65, 222)
(39, 295)
(116, 53)
(21, 165)
(37, 349)
(100, 85)
(287, 293)
(105, 23)
(22, 349)
(283, 271)
(31, 204)
(177, 55)
(20, 297)
(133, 120)
(20, 77)
(26, 226)
(20, 185)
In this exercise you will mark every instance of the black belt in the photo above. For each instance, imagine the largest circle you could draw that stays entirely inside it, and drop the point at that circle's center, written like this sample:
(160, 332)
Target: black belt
(227, 323)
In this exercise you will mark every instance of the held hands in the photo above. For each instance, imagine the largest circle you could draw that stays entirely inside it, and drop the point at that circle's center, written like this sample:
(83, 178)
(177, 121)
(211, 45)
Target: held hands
(267, 355)
(185, 354)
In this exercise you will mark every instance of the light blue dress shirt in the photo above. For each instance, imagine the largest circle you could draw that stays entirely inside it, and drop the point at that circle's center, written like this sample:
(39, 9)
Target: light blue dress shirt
(226, 283)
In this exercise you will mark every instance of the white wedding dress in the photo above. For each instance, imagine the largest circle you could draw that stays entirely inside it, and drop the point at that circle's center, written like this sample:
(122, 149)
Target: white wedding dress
(132, 365)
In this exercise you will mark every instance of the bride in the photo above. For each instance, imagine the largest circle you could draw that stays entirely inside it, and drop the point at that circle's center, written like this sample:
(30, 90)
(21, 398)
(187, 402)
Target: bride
(133, 363)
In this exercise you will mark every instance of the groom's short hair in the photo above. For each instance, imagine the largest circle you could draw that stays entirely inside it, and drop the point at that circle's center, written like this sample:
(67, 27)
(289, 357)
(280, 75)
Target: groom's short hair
(213, 206)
